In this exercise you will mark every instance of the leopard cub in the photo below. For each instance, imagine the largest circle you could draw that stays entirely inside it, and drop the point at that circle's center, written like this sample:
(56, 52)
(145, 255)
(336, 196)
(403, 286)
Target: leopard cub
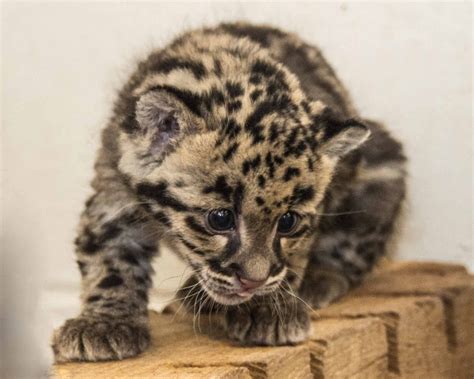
(239, 148)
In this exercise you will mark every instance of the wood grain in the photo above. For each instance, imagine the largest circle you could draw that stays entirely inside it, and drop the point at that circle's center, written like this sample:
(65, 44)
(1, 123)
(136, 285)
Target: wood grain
(410, 320)
(337, 345)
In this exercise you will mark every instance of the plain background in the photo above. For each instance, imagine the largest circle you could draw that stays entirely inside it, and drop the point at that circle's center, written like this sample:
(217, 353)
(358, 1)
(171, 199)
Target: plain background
(406, 64)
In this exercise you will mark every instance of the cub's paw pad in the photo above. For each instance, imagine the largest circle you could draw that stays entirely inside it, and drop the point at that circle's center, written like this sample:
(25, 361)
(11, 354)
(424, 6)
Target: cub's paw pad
(89, 339)
(266, 325)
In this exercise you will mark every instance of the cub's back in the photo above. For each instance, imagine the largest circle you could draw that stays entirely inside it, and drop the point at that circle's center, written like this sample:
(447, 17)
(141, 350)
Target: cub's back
(316, 76)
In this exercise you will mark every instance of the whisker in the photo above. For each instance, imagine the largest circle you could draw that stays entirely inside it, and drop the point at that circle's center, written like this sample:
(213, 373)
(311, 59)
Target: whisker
(342, 213)
(196, 301)
(297, 297)
(210, 312)
(172, 277)
(190, 293)
(275, 297)
(199, 311)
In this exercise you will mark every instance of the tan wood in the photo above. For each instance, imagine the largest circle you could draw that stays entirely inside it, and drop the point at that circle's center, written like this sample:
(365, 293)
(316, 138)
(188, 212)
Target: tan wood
(452, 285)
(161, 372)
(177, 342)
(412, 324)
(347, 348)
(410, 320)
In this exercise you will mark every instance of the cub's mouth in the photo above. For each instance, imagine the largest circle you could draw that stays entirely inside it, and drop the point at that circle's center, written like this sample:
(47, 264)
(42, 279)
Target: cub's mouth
(232, 290)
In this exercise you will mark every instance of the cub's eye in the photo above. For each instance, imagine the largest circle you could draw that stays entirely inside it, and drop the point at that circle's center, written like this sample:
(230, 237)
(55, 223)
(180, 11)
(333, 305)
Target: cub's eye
(221, 219)
(287, 222)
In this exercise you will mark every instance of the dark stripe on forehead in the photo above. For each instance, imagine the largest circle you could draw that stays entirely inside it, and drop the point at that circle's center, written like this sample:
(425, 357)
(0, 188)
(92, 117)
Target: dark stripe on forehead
(278, 103)
(231, 129)
(234, 89)
(221, 187)
(234, 106)
(251, 164)
(290, 173)
(159, 192)
(270, 164)
(230, 151)
(252, 125)
(302, 195)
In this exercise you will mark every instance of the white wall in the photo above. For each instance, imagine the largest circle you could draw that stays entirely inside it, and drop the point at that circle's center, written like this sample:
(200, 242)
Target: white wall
(408, 65)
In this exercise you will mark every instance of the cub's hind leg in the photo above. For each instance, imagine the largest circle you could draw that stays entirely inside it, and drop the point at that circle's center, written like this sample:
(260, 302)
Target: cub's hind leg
(114, 250)
(359, 212)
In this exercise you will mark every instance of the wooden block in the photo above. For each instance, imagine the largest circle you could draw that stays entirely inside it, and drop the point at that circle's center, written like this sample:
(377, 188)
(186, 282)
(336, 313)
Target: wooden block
(453, 286)
(414, 328)
(176, 345)
(435, 268)
(348, 348)
(411, 320)
(223, 372)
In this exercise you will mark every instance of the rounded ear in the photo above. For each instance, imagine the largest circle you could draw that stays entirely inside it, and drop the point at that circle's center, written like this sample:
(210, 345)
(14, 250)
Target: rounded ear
(163, 120)
(338, 137)
(344, 138)
(157, 117)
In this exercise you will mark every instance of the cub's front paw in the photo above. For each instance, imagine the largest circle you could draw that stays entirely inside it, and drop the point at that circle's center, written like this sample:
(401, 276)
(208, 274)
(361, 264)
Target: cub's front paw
(99, 339)
(268, 324)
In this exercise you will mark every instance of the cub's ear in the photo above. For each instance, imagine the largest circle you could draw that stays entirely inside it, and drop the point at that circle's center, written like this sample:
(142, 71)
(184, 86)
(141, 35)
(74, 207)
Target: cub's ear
(339, 137)
(163, 121)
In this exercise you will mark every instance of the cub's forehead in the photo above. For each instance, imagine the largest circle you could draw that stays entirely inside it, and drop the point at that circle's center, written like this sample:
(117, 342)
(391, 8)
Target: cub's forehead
(252, 178)
(255, 142)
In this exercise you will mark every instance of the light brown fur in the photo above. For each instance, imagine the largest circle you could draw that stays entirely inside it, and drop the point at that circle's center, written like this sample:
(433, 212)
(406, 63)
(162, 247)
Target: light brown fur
(252, 122)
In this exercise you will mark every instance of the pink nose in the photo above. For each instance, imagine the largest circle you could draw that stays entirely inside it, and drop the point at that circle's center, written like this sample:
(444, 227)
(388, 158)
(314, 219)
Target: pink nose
(250, 284)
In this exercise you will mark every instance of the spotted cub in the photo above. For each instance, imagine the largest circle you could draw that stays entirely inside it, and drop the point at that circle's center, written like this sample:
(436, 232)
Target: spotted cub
(239, 148)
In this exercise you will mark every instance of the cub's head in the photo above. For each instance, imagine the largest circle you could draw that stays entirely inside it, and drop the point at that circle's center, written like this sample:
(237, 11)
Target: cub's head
(232, 166)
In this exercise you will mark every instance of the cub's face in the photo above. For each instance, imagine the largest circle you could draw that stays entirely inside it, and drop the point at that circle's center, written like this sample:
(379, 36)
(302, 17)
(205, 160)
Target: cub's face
(239, 222)
(237, 201)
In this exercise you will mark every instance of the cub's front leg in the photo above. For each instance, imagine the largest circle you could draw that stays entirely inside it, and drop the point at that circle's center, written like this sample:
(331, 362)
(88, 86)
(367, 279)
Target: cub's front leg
(270, 322)
(362, 206)
(114, 252)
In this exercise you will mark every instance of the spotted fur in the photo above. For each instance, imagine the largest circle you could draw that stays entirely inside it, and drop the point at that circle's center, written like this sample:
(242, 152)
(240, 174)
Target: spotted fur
(250, 119)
